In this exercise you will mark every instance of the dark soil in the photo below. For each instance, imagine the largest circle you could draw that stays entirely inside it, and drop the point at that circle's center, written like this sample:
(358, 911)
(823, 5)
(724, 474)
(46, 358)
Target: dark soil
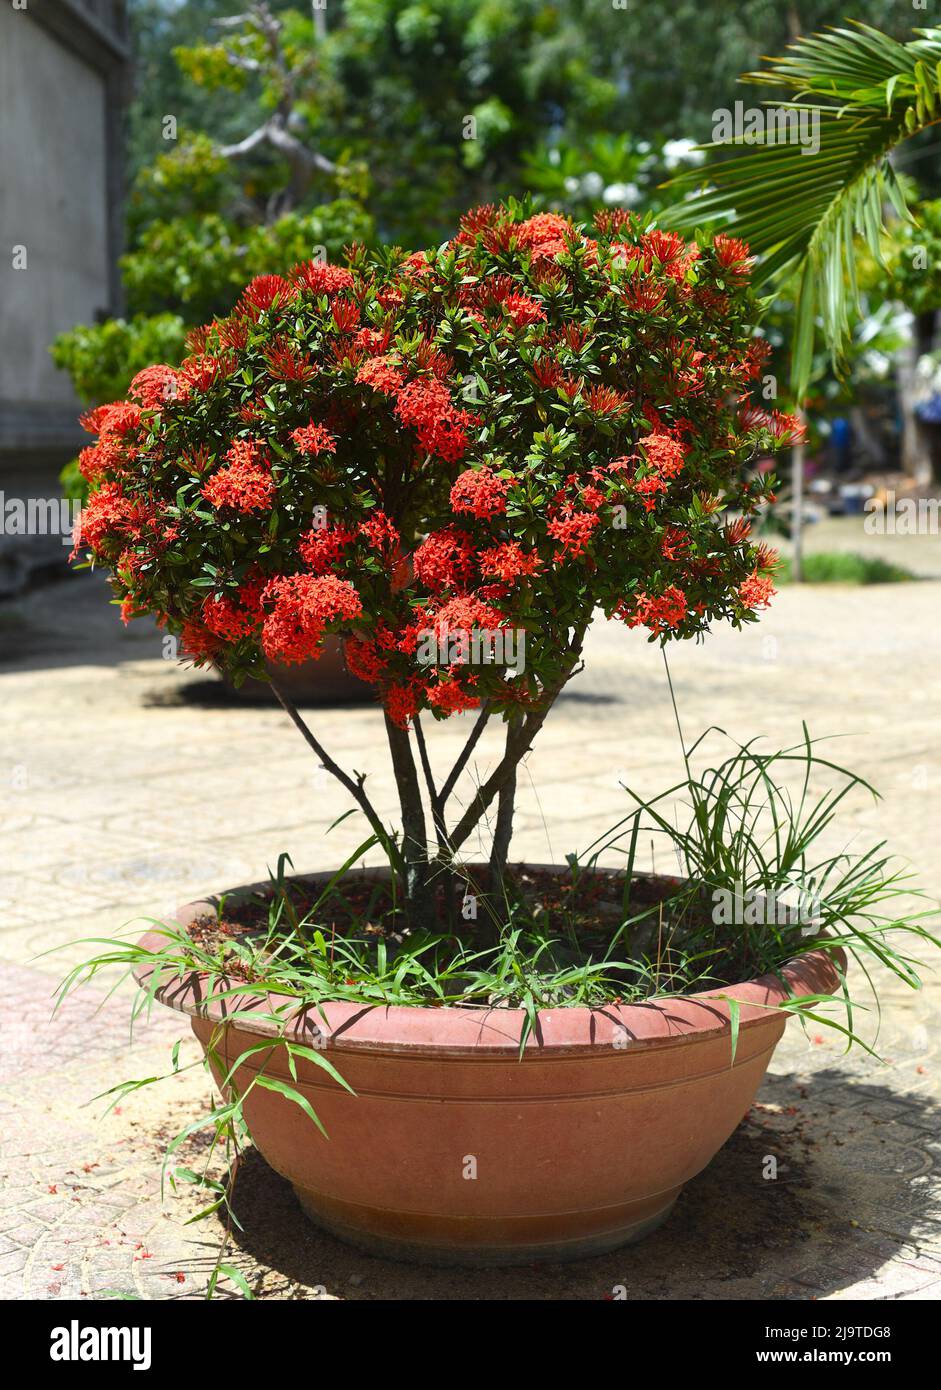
(590, 906)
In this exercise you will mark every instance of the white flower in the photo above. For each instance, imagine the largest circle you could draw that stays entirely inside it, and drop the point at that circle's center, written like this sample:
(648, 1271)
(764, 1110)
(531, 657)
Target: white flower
(622, 194)
(675, 152)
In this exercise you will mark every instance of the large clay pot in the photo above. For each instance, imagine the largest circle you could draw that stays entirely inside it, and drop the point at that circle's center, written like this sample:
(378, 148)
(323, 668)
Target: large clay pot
(456, 1149)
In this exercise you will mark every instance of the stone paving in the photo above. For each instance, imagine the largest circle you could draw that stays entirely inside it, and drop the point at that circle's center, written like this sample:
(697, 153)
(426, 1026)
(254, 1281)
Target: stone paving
(131, 785)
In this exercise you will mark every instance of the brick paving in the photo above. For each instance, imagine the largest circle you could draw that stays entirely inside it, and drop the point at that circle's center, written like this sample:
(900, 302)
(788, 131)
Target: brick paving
(130, 785)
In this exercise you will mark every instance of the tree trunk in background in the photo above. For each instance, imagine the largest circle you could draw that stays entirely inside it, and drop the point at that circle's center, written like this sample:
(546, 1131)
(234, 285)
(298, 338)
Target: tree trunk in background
(916, 443)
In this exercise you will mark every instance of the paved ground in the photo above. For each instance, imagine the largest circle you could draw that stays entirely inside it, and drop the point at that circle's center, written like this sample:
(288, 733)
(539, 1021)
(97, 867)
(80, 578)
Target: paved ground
(130, 785)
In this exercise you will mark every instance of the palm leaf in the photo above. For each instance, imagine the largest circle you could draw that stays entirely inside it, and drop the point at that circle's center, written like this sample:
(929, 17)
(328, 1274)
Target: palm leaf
(801, 213)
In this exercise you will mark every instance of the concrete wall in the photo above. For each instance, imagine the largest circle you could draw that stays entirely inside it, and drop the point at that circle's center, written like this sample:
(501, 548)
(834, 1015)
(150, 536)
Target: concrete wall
(63, 66)
(53, 201)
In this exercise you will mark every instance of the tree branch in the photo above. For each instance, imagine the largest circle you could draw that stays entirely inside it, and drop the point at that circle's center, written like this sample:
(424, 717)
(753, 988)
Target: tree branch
(518, 743)
(353, 785)
(503, 830)
(245, 146)
(451, 779)
(437, 808)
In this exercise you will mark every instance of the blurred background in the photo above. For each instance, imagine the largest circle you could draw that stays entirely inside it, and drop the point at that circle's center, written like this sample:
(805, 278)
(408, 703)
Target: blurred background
(159, 153)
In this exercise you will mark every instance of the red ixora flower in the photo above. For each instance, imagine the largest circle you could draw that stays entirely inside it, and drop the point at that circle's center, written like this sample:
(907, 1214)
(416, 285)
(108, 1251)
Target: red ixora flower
(573, 533)
(202, 372)
(451, 696)
(320, 278)
(363, 659)
(604, 400)
(660, 612)
(232, 619)
(427, 407)
(400, 703)
(267, 290)
(665, 453)
(733, 255)
(381, 374)
(345, 315)
(546, 234)
(314, 439)
(784, 428)
(285, 363)
(322, 548)
(756, 591)
(298, 609)
(379, 533)
(480, 492)
(113, 421)
(465, 613)
(106, 515)
(154, 386)
(444, 560)
(509, 562)
(246, 485)
(198, 643)
(648, 490)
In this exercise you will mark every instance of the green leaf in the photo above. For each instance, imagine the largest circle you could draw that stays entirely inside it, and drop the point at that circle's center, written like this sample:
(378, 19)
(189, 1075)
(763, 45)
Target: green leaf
(272, 1083)
(803, 212)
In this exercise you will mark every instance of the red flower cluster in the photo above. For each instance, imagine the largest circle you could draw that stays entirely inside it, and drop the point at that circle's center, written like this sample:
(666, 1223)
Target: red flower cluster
(246, 485)
(154, 386)
(756, 591)
(444, 560)
(314, 439)
(426, 405)
(382, 375)
(660, 613)
(480, 492)
(299, 608)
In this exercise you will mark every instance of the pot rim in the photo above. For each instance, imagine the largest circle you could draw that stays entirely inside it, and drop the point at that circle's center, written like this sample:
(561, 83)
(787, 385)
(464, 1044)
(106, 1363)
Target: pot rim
(487, 1031)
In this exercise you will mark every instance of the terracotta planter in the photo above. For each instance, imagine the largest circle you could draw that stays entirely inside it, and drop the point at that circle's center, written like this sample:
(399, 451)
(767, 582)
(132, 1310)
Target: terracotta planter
(454, 1150)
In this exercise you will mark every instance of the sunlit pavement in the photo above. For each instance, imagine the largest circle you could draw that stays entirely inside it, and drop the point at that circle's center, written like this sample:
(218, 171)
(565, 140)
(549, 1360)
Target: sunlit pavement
(131, 785)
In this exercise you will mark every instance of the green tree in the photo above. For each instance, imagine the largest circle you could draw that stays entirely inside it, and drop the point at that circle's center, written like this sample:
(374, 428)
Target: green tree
(209, 211)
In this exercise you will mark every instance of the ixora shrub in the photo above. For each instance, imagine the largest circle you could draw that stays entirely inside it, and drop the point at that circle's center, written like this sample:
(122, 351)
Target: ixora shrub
(451, 459)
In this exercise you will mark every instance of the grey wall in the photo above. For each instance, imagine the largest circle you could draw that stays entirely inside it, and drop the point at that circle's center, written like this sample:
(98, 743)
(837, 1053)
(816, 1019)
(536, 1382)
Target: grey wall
(53, 201)
(63, 67)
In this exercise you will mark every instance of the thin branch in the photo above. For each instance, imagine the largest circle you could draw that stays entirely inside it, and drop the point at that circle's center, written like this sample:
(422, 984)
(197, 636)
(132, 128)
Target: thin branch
(274, 134)
(414, 844)
(518, 743)
(451, 779)
(245, 146)
(503, 830)
(353, 785)
(437, 808)
(287, 144)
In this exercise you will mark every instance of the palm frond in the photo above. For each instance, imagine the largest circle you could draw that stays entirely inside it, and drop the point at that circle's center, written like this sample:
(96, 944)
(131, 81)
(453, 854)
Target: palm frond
(801, 211)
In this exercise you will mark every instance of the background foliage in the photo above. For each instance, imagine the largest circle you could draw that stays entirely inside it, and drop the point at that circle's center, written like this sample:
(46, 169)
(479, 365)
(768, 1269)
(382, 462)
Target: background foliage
(582, 103)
